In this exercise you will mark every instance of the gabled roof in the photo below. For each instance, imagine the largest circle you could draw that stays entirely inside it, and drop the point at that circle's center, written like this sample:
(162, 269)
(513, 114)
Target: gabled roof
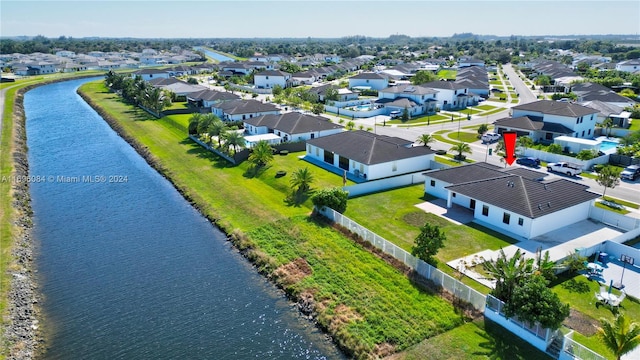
(212, 95)
(368, 75)
(447, 85)
(604, 109)
(466, 173)
(293, 123)
(593, 91)
(149, 72)
(533, 124)
(399, 102)
(409, 90)
(526, 197)
(235, 107)
(559, 108)
(367, 148)
(273, 73)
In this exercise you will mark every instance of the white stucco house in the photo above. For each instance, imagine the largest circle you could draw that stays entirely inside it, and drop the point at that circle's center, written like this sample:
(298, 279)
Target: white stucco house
(292, 126)
(207, 98)
(544, 120)
(238, 110)
(368, 80)
(632, 65)
(515, 201)
(269, 78)
(151, 74)
(369, 156)
(452, 95)
(417, 99)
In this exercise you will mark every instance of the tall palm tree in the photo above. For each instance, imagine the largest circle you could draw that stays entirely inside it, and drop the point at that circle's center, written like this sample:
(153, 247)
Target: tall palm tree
(508, 273)
(301, 179)
(621, 335)
(460, 148)
(261, 154)
(235, 139)
(425, 139)
(216, 127)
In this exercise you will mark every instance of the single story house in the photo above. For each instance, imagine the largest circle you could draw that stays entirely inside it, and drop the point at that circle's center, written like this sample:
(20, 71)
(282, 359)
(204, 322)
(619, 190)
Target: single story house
(150, 74)
(617, 114)
(292, 126)
(207, 98)
(632, 65)
(368, 80)
(369, 156)
(513, 200)
(238, 110)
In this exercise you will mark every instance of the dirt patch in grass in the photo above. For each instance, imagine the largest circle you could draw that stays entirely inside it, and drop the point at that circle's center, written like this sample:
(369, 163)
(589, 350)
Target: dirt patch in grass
(416, 218)
(383, 350)
(341, 317)
(581, 323)
(293, 272)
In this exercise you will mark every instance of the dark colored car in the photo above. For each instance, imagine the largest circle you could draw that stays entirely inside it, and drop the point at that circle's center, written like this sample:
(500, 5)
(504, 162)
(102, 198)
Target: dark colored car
(631, 172)
(528, 161)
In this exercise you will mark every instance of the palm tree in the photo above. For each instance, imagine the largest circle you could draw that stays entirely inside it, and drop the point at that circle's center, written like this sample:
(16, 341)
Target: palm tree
(425, 139)
(350, 125)
(301, 179)
(460, 148)
(216, 127)
(508, 273)
(194, 121)
(261, 154)
(235, 139)
(620, 336)
(607, 124)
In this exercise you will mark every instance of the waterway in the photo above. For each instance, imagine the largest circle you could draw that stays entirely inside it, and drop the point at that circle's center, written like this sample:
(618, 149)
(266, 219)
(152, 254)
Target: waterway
(214, 55)
(127, 268)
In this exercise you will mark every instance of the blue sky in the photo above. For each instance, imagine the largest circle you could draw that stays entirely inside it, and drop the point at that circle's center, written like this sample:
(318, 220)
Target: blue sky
(248, 19)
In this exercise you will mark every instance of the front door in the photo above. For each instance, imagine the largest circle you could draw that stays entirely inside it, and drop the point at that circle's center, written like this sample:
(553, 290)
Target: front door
(472, 204)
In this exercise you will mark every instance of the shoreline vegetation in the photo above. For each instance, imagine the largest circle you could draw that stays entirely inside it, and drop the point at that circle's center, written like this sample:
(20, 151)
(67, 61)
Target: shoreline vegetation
(20, 334)
(369, 309)
(280, 245)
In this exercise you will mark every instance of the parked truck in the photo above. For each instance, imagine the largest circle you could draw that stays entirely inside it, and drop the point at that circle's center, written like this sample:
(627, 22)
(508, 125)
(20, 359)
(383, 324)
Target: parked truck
(565, 168)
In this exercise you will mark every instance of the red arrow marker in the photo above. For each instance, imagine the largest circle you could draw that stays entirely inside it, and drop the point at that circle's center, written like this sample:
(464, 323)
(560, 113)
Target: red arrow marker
(509, 146)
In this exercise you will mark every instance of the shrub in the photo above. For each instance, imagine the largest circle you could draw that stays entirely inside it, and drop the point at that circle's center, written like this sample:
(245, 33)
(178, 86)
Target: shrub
(334, 198)
(555, 149)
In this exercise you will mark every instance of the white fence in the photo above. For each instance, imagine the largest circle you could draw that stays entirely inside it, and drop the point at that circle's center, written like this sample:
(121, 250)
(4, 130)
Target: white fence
(613, 219)
(549, 157)
(356, 113)
(534, 334)
(574, 350)
(452, 285)
(384, 184)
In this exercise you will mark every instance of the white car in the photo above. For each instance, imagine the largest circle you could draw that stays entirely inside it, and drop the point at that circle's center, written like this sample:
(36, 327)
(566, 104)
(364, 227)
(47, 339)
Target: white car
(395, 114)
(490, 137)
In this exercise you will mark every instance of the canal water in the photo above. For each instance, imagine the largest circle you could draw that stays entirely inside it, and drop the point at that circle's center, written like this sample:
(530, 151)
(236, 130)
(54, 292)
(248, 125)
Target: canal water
(214, 55)
(127, 268)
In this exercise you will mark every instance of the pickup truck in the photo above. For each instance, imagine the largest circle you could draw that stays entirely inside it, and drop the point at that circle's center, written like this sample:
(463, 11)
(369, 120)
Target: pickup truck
(565, 168)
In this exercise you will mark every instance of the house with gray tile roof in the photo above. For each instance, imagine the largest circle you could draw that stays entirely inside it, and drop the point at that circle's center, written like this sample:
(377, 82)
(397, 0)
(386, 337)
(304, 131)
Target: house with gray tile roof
(544, 120)
(617, 114)
(416, 99)
(238, 110)
(369, 156)
(292, 126)
(368, 80)
(207, 98)
(510, 200)
(632, 66)
(452, 95)
(591, 92)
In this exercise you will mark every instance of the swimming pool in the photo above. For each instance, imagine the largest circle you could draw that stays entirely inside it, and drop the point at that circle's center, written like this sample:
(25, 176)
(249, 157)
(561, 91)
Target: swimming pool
(606, 146)
(365, 107)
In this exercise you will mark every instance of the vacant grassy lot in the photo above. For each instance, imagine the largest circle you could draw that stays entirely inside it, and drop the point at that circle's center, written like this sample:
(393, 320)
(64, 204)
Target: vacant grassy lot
(362, 301)
(475, 340)
(463, 136)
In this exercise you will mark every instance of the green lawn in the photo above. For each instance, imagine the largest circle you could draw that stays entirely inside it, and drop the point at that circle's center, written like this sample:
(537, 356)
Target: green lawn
(579, 291)
(495, 82)
(447, 74)
(474, 340)
(361, 300)
(420, 119)
(485, 107)
(635, 125)
(463, 136)
(615, 210)
(622, 202)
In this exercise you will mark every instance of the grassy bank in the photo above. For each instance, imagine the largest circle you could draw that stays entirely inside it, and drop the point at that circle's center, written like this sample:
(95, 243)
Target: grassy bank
(368, 306)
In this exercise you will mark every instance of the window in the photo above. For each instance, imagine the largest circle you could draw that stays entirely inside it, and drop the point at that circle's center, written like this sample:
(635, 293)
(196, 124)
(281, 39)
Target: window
(589, 132)
(506, 217)
(472, 204)
(433, 183)
(267, 78)
(582, 133)
(313, 135)
(394, 166)
(520, 221)
(485, 210)
(454, 195)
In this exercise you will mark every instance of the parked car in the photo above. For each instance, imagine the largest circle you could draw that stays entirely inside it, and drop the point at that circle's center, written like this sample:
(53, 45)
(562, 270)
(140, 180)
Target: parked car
(631, 172)
(528, 161)
(490, 137)
(395, 114)
(565, 168)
